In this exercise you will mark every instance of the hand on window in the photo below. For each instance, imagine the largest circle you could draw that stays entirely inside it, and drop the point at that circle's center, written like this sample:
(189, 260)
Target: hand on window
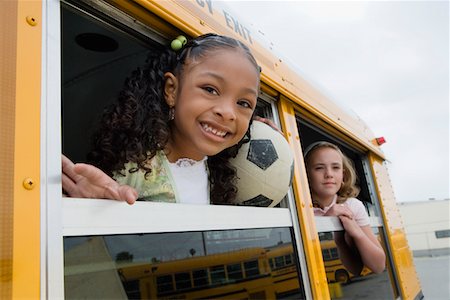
(340, 210)
(86, 181)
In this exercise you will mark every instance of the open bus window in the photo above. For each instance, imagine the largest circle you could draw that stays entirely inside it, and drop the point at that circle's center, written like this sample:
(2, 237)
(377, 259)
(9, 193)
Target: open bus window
(97, 57)
(92, 74)
(252, 263)
(311, 134)
(132, 264)
(342, 282)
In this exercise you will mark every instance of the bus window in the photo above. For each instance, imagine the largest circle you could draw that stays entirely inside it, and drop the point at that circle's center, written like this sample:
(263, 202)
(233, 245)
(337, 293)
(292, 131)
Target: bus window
(234, 271)
(162, 253)
(183, 281)
(150, 266)
(311, 134)
(200, 278)
(164, 284)
(251, 268)
(217, 275)
(342, 281)
(93, 77)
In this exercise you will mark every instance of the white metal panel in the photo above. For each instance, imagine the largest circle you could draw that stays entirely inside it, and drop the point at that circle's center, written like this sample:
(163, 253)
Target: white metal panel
(331, 223)
(52, 270)
(97, 217)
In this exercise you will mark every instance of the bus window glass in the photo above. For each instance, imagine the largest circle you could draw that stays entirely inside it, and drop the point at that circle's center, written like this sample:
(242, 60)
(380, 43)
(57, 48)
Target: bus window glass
(288, 260)
(279, 262)
(158, 265)
(182, 281)
(234, 271)
(163, 283)
(343, 284)
(341, 281)
(217, 275)
(200, 278)
(177, 265)
(251, 268)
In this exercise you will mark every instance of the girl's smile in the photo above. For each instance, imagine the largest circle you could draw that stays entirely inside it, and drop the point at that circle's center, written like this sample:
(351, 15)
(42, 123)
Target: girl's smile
(216, 132)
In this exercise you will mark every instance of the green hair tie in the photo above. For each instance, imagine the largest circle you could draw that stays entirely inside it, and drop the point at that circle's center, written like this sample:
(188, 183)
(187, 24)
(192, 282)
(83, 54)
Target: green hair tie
(178, 43)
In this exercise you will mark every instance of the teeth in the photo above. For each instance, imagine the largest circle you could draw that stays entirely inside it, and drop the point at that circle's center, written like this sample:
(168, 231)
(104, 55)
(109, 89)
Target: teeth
(213, 130)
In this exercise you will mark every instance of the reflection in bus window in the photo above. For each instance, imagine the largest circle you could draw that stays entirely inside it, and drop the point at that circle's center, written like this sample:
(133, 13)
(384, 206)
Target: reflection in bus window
(235, 272)
(232, 264)
(343, 284)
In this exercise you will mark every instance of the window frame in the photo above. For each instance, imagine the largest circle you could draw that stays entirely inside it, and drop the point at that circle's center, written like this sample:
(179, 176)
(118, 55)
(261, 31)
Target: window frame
(73, 216)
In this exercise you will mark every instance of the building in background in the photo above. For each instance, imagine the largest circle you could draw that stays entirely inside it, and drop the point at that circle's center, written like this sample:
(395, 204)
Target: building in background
(427, 224)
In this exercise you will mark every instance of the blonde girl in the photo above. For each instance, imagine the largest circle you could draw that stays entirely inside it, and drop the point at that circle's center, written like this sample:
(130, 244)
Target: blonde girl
(332, 180)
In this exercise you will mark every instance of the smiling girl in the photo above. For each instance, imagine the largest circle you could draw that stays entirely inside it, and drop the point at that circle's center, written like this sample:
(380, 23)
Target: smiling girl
(332, 180)
(175, 125)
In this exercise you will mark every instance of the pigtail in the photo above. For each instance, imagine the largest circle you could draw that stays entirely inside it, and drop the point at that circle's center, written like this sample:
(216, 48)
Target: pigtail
(136, 126)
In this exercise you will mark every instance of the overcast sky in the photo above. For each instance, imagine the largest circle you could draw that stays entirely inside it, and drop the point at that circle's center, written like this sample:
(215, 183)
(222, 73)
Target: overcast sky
(387, 61)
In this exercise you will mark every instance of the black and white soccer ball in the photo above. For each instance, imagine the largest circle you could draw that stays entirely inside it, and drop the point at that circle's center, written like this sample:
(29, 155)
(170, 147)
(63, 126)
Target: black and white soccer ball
(265, 167)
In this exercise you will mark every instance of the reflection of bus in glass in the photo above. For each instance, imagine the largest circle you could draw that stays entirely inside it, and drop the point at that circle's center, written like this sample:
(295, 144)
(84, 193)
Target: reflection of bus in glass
(336, 271)
(237, 275)
(63, 62)
(282, 262)
(252, 273)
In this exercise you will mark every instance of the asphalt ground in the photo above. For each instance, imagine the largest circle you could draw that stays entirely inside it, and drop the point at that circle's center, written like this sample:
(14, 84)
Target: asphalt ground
(434, 275)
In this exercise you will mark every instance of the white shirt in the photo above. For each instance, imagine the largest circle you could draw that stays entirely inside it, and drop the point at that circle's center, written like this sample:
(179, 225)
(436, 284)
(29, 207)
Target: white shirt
(191, 181)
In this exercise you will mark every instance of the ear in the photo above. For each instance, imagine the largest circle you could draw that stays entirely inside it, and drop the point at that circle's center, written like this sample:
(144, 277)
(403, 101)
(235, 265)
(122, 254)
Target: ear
(170, 89)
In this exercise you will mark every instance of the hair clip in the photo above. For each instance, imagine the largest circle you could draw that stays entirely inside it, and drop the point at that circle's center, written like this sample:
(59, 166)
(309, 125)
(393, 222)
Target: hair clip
(178, 43)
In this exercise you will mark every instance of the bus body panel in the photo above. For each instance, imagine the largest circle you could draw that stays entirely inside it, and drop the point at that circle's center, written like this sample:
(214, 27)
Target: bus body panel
(310, 238)
(21, 88)
(8, 53)
(401, 254)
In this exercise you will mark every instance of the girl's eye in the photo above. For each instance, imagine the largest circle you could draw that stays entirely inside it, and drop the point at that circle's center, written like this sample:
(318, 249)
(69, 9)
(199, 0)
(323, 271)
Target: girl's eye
(211, 90)
(245, 104)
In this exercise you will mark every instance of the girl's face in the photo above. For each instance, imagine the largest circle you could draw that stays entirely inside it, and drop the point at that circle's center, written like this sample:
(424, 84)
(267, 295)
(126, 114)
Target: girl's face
(214, 100)
(325, 172)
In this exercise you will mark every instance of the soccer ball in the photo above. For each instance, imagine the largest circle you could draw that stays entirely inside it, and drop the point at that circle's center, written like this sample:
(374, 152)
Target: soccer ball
(265, 167)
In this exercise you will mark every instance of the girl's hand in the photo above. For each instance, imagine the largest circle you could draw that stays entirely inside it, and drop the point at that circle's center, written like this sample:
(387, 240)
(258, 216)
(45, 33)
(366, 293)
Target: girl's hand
(268, 122)
(87, 181)
(340, 210)
(351, 227)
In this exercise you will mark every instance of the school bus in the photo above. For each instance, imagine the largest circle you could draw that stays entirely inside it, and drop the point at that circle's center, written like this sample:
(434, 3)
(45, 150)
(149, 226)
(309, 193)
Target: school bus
(62, 63)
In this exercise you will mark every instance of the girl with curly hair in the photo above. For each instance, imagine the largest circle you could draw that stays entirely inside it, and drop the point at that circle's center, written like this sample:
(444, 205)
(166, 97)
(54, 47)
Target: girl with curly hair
(175, 125)
(332, 180)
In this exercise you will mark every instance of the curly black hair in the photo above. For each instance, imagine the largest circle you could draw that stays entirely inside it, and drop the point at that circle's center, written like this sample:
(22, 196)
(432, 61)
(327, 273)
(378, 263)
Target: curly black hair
(136, 126)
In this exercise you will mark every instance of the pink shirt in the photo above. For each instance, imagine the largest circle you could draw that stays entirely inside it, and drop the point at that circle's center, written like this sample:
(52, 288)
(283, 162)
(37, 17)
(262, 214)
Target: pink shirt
(355, 205)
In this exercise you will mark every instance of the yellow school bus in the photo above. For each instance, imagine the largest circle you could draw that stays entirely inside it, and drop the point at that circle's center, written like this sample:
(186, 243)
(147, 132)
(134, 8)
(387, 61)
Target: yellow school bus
(62, 63)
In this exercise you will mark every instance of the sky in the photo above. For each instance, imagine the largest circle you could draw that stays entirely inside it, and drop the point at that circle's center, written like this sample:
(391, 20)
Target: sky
(387, 61)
